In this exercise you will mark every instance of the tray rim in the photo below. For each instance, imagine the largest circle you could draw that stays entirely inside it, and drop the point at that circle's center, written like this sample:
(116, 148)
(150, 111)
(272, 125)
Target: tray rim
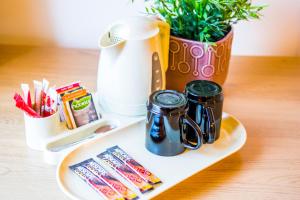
(68, 194)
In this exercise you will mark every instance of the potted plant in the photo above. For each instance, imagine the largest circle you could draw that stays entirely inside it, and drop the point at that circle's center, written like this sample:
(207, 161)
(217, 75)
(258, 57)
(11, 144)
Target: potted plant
(201, 36)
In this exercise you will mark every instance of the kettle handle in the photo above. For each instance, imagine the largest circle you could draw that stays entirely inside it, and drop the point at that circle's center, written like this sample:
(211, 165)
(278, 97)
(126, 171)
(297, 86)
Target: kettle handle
(164, 32)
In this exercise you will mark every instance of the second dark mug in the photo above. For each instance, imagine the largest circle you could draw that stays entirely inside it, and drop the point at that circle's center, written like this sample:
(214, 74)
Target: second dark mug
(205, 103)
(166, 124)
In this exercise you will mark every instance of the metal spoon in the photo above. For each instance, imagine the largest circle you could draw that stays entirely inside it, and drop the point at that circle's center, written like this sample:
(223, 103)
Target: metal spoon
(99, 130)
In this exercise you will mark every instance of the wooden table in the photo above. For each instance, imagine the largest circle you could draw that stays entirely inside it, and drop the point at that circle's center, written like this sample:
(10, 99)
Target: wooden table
(263, 92)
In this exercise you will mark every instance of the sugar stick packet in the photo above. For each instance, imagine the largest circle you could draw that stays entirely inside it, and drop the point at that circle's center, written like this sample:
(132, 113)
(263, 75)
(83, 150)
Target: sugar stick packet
(20, 103)
(97, 184)
(37, 96)
(50, 102)
(45, 85)
(134, 165)
(107, 177)
(53, 98)
(125, 171)
(26, 94)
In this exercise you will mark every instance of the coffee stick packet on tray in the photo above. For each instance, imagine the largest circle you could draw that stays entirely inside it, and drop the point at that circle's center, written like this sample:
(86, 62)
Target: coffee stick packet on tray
(107, 177)
(97, 184)
(134, 165)
(121, 168)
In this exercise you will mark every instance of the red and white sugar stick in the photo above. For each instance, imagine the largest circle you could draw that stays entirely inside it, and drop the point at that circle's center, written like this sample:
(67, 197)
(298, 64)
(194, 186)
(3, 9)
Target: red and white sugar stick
(51, 102)
(20, 103)
(37, 96)
(26, 94)
(45, 85)
(53, 98)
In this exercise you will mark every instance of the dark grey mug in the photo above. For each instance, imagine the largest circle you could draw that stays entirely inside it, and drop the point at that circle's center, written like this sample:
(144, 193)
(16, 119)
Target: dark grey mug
(166, 124)
(205, 103)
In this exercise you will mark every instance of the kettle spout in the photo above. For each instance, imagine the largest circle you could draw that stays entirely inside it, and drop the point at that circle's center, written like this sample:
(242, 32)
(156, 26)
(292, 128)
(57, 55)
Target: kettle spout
(111, 45)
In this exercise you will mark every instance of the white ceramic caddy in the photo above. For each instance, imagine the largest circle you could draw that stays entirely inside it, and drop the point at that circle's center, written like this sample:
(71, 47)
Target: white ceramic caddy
(52, 151)
(40, 130)
(171, 170)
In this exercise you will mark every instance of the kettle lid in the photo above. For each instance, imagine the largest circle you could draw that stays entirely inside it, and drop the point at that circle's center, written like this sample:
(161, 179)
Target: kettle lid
(135, 28)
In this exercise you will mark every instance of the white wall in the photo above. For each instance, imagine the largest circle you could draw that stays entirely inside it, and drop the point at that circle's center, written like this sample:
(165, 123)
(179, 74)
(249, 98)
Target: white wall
(78, 23)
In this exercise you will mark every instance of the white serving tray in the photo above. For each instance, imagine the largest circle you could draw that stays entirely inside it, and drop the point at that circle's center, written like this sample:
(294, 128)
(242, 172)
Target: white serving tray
(171, 170)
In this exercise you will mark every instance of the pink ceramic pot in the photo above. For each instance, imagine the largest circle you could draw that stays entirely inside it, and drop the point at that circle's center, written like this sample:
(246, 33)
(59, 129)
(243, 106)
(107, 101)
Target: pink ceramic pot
(188, 60)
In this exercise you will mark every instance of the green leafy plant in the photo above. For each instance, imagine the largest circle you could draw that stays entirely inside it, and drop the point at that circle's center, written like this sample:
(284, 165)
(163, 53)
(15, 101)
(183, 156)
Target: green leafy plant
(203, 20)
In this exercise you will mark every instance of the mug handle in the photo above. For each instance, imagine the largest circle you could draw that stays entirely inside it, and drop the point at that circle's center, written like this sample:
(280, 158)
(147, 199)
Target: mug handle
(188, 121)
(210, 126)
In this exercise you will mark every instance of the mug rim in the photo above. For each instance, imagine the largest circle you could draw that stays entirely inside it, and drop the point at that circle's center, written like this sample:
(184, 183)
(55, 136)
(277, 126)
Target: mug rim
(192, 96)
(159, 108)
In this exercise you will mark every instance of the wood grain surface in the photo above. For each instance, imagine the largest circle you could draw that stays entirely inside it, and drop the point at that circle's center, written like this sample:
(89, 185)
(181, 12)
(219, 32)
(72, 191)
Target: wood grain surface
(262, 92)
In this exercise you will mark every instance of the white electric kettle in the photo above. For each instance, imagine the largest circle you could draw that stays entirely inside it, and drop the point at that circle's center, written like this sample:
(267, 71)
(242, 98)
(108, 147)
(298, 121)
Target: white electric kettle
(132, 65)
